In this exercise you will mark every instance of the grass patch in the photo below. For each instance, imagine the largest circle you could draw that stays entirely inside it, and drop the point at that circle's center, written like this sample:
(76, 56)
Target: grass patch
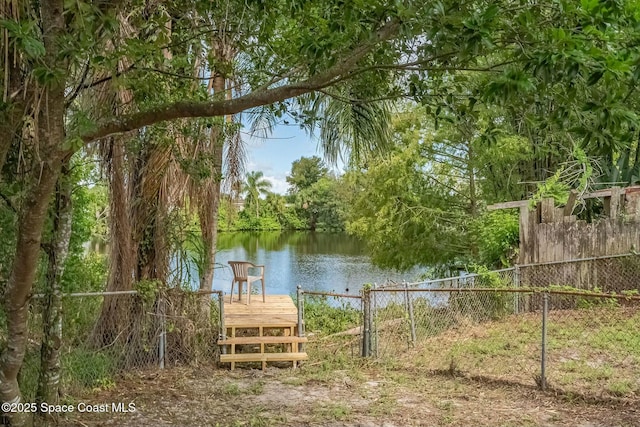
(256, 388)
(294, 381)
(82, 368)
(621, 388)
(332, 411)
(384, 405)
(231, 389)
(589, 350)
(28, 377)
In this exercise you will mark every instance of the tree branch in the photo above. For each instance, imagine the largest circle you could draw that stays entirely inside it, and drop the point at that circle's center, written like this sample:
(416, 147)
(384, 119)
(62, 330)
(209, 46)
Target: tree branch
(76, 91)
(8, 202)
(190, 109)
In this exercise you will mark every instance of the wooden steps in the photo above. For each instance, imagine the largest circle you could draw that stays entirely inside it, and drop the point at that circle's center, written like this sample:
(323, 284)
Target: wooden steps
(263, 340)
(271, 326)
(262, 357)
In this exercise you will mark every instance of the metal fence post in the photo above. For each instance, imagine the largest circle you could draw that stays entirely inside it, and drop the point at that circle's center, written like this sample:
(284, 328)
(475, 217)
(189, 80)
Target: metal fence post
(163, 331)
(222, 333)
(374, 325)
(543, 359)
(366, 326)
(300, 297)
(409, 307)
(516, 284)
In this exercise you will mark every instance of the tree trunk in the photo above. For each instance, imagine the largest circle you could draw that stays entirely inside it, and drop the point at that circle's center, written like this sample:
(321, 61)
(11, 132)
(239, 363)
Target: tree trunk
(121, 261)
(49, 380)
(42, 179)
(210, 203)
(21, 281)
(473, 196)
(209, 206)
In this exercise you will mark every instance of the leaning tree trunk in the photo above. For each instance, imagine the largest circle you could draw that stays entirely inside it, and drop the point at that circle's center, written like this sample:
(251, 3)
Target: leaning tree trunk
(58, 250)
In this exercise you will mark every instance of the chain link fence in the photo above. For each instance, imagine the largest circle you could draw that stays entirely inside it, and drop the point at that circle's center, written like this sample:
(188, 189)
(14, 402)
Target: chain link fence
(105, 334)
(471, 330)
(333, 324)
(607, 274)
(572, 327)
(489, 325)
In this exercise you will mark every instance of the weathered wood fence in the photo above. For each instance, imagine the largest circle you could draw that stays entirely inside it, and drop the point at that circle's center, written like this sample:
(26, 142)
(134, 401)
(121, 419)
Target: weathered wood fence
(551, 233)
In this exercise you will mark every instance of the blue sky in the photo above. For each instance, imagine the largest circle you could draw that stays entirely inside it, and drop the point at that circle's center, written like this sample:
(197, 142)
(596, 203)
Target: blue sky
(274, 155)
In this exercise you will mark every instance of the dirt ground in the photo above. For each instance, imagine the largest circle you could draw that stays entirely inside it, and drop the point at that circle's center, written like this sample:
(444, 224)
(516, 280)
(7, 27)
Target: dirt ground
(372, 395)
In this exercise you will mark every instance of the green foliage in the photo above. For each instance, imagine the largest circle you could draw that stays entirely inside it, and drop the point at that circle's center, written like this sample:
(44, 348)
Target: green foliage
(407, 206)
(322, 316)
(305, 172)
(320, 204)
(7, 248)
(497, 234)
(85, 269)
(78, 320)
(148, 290)
(87, 369)
(577, 173)
(247, 221)
(28, 378)
(85, 273)
(255, 186)
(25, 35)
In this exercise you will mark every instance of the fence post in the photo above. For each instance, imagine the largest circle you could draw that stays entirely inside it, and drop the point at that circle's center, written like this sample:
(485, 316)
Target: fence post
(300, 297)
(163, 330)
(374, 326)
(222, 333)
(543, 360)
(366, 326)
(516, 284)
(409, 306)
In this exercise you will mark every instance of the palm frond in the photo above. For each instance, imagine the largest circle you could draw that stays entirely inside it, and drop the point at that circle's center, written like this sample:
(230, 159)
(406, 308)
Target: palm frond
(352, 129)
(235, 157)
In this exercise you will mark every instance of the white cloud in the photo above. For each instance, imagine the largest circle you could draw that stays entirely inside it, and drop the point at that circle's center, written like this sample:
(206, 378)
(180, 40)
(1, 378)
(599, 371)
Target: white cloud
(278, 184)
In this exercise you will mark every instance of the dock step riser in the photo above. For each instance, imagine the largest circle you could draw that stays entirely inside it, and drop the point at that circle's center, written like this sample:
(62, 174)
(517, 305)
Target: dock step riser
(271, 326)
(262, 340)
(263, 357)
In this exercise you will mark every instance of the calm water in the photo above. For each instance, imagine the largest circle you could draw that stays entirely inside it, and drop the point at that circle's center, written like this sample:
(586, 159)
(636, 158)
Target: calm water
(316, 261)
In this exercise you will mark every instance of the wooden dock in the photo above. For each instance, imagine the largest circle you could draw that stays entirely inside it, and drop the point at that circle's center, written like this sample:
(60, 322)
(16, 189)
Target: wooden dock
(261, 332)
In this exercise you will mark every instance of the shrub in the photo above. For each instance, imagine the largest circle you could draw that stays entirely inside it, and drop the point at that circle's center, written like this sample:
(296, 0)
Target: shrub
(320, 315)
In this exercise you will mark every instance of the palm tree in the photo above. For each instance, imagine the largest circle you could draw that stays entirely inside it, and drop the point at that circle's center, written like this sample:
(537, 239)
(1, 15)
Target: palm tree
(255, 185)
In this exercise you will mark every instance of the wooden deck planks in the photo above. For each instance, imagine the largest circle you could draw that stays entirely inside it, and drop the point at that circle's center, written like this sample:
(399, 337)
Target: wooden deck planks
(277, 310)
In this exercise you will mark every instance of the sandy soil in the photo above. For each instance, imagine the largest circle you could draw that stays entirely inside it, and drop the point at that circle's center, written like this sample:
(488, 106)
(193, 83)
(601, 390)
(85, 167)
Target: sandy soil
(370, 396)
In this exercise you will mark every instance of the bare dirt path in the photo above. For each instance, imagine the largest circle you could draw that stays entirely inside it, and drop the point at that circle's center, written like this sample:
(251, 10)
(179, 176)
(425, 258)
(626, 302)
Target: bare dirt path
(372, 395)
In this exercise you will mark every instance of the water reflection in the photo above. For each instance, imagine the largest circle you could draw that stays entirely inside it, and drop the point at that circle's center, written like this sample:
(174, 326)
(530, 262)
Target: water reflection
(316, 261)
(301, 242)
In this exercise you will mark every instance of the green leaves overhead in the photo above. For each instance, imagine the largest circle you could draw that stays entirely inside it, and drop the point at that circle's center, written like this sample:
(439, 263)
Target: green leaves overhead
(25, 36)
